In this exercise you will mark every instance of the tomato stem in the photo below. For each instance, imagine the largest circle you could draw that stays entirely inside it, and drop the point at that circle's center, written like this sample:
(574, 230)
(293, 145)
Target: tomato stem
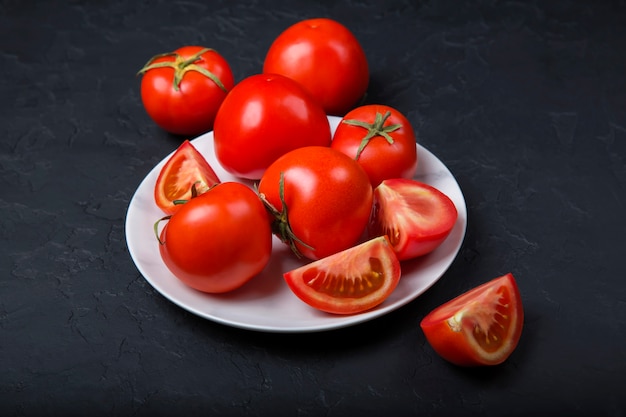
(181, 66)
(374, 129)
(280, 225)
(156, 228)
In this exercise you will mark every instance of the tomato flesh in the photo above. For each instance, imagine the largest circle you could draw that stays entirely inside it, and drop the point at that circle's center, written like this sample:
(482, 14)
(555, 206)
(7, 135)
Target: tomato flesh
(480, 327)
(185, 169)
(348, 282)
(416, 216)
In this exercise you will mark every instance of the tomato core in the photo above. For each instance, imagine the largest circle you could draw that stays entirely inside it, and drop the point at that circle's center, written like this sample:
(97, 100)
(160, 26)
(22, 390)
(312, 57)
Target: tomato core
(487, 320)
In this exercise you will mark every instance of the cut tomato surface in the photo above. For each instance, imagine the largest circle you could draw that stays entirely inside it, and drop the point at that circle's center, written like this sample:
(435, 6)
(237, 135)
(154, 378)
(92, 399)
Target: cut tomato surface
(416, 216)
(480, 327)
(348, 282)
(185, 174)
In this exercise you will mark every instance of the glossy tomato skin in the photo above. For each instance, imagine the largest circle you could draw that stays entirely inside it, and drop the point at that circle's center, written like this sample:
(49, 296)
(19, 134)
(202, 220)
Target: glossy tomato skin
(349, 282)
(328, 198)
(262, 118)
(191, 109)
(416, 216)
(326, 58)
(185, 169)
(219, 240)
(380, 159)
(480, 327)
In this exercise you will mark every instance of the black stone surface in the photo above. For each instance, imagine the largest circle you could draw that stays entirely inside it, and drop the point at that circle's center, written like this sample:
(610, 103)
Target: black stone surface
(525, 102)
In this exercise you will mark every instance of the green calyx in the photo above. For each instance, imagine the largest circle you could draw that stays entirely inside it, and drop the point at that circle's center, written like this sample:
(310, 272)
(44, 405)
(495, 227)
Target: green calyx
(181, 66)
(280, 224)
(377, 128)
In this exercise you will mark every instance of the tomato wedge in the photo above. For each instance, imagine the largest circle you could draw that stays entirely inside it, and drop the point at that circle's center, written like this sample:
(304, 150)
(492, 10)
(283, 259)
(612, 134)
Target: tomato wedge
(416, 216)
(186, 170)
(348, 282)
(480, 327)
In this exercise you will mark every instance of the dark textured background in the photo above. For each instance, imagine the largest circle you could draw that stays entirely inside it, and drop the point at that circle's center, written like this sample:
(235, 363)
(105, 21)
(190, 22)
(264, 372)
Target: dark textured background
(524, 101)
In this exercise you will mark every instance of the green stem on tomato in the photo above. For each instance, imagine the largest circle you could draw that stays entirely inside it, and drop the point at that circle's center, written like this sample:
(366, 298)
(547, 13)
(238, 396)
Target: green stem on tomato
(377, 128)
(280, 223)
(181, 66)
(156, 228)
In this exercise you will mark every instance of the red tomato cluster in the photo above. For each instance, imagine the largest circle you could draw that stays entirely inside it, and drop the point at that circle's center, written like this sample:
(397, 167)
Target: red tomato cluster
(346, 202)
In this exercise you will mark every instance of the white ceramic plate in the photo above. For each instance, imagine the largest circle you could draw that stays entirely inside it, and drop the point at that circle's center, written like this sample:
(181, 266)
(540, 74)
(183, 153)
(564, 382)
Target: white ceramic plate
(266, 303)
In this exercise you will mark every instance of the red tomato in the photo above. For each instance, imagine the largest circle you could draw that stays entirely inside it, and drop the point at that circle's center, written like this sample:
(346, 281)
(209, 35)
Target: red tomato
(326, 58)
(182, 90)
(416, 216)
(264, 117)
(219, 240)
(480, 327)
(185, 174)
(352, 281)
(322, 200)
(381, 139)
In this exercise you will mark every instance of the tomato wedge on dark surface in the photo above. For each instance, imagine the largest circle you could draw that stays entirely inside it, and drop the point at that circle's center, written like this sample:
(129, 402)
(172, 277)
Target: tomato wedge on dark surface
(416, 216)
(184, 170)
(348, 282)
(480, 327)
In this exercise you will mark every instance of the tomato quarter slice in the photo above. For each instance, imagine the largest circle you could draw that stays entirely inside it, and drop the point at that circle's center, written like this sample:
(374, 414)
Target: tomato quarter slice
(185, 169)
(480, 327)
(416, 216)
(348, 282)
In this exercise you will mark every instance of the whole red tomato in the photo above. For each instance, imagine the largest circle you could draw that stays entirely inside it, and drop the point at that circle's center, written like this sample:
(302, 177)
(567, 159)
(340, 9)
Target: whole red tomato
(262, 118)
(182, 90)
(321, 199)
(381, 139)
(326, 58)
(219, 240)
